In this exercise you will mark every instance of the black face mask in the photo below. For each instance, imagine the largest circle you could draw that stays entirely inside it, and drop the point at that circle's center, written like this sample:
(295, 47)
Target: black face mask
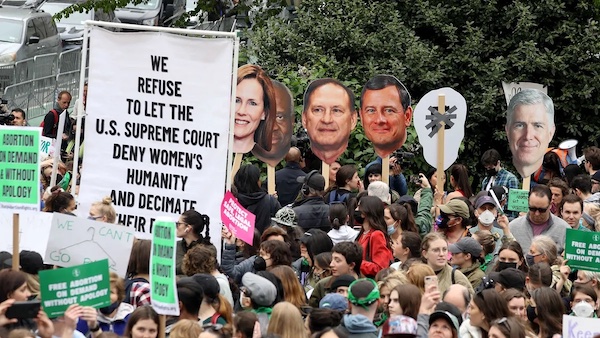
(358, 217)
(491, 172)
(260, 264)
(444, 222)
(531, 315)
(506, 265)
(107, 310)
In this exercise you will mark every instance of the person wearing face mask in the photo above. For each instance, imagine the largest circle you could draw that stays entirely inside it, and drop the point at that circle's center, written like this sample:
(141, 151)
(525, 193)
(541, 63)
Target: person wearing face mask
(584, 301)
(495, 174)
(545, 312)
(111, 318)
(454, 220)
(487, 213)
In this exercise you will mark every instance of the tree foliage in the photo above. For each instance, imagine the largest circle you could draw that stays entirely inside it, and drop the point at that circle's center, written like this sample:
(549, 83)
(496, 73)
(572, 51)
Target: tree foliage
(471, 46)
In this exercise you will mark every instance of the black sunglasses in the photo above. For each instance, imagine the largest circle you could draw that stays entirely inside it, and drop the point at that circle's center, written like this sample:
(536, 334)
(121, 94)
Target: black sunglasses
(540, 210)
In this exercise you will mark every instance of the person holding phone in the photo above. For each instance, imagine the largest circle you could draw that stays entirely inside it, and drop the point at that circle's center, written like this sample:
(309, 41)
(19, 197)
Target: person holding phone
(16, 311)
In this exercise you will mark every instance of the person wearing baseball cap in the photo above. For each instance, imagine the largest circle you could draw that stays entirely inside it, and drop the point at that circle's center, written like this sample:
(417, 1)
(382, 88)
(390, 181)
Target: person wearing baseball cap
(455, 216)
(486, 212)
(509, 278)
(466, 255)
(443, 324)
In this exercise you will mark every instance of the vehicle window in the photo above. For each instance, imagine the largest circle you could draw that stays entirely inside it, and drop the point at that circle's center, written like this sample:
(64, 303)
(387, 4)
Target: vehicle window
(12, 30)
(51, 29)
(40, 29)
(151, 4)
(30, 30)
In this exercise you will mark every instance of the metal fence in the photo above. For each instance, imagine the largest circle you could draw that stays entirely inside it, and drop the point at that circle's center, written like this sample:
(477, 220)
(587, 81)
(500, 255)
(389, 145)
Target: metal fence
(33, 84)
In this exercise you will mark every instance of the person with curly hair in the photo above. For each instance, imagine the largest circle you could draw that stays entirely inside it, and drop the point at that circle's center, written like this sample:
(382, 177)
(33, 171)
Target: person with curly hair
(203, 259)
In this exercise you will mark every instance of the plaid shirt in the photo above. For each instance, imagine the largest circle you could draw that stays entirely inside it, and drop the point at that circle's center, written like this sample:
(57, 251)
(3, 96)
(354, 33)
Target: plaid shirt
(139, 294)
(504, 178)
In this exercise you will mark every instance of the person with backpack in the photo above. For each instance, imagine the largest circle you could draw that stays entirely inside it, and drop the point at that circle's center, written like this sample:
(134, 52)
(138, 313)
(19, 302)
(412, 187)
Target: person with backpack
(346, 181)
(137, 284)
(50, 123)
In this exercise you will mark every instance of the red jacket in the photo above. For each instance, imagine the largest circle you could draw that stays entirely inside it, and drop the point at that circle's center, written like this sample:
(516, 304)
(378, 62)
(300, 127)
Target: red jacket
(380, 254)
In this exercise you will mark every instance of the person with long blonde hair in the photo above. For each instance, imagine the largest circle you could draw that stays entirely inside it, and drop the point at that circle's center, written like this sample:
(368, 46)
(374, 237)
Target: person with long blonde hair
(286, 322)
(185, 328)
(103, 211)
(292, 290)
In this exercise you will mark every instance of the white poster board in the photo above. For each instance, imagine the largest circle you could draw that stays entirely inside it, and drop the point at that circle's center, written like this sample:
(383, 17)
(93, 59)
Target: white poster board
(580, 327)
(427, 121)
(510, 89)
(34, 230)
(157, 125)
(74, 241)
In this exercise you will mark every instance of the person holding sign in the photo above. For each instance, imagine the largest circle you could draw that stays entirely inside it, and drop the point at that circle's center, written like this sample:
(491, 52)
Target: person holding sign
(282, 129)
(255, 110)
(539, 220)
(112, 318)
(529, 129)
(329, 117)
(385, 113)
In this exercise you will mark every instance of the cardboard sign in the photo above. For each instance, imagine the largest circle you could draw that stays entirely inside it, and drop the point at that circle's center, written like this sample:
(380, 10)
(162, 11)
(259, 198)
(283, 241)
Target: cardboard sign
(86, 285)
(46, 146)
(582, 250)
(34, 230)
(237, 219)
(518, 200)
(74, 241)
(162, 269)
(428, 120)
(580, 327)
(161, 148)
(20, 168)
(510, 89)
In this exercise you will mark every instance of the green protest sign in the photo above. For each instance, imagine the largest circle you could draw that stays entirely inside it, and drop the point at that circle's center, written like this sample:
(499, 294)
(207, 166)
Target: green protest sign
(86, 285)
(582, 250)
(19, 168)
(518, 200)
(162, 269)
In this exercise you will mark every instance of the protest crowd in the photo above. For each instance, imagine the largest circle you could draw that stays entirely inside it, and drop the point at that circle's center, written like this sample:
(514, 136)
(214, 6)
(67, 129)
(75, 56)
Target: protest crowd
(349, 256)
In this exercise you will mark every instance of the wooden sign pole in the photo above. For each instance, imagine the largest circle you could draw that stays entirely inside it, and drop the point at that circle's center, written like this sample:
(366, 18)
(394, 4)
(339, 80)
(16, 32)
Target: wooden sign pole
(325, 171)
(237, 163)
(162, 324)
(440, 145)
(526, 183)
(385, 170)
(270, 179)
(16, 264)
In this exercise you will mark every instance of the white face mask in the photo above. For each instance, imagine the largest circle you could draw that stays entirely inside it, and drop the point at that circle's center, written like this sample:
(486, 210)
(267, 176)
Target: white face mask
(583, 309)
(487, 217)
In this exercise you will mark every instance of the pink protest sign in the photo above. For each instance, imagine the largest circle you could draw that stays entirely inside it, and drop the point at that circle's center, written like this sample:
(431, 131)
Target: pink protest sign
(237, 219)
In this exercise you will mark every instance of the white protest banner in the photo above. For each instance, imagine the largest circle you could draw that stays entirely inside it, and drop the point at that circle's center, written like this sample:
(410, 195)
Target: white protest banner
(74, 241)
(510, 89)
(427, 119)
(34, 230)
(158, 110)
(580, 327)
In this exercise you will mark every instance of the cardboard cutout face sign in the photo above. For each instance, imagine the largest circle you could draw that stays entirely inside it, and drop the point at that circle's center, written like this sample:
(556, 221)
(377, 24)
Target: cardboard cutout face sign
(529, 129)
(329, 117)
(282, 129)
(385, 113)
(254, 110)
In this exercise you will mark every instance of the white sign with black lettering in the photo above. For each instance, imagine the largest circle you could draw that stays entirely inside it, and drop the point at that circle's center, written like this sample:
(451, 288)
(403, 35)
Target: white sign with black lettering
(157, 125)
